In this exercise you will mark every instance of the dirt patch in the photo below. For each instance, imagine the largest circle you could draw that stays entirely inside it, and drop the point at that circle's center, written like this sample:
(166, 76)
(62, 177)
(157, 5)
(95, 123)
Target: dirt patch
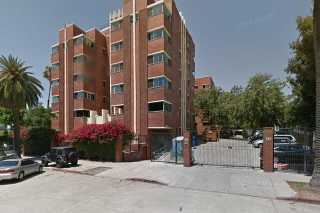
(305, 193)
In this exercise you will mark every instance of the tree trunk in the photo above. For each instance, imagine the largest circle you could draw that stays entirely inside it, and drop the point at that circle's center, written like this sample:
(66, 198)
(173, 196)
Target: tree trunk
(17, 140)
(49, 95)
(315, 181)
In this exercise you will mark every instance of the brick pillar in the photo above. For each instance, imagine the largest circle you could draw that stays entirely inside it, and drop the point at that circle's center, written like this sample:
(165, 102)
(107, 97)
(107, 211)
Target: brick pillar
(267, 149)
(119, 150)
(187, 149)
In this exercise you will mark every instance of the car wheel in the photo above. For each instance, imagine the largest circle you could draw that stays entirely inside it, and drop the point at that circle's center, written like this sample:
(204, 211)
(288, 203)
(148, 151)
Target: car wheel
(21, 176)
(74, 163)
(45, 163)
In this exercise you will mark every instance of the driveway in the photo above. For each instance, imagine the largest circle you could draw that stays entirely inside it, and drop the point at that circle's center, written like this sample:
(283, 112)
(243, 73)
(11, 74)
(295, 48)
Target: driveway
(227, 152)
(117, 188)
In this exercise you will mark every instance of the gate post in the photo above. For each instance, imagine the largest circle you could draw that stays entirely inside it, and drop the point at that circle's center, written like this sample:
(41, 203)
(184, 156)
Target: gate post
(267, 150)
(119, 150)
(187, 149)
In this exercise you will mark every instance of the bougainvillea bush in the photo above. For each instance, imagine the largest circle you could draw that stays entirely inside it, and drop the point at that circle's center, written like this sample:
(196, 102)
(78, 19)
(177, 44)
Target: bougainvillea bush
(99, 133)
(97, 141)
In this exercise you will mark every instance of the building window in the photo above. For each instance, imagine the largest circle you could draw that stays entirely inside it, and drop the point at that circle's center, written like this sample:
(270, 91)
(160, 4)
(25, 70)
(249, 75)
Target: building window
(117, 67)
(81, 77)
(83, 95)
(55, 50)
(55, 66)
(55, 83)
(117, 110)
(84, 40)
(116, 46)
(159, 9)
(160, 106)
(55, 99)
(159, 58)
(80, 59)
(81, 113)
(160, 82)
(137, 18)
(158, 34)
(117, 89)
(116, 25)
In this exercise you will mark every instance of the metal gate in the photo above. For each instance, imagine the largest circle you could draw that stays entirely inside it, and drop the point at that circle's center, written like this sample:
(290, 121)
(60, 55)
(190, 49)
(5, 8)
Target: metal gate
(227, 152)
(163, 149)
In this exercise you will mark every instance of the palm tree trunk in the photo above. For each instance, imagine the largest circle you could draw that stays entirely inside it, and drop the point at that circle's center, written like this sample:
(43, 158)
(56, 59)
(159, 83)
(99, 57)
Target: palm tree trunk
(315, 181)
(16, 131)
(49, 95)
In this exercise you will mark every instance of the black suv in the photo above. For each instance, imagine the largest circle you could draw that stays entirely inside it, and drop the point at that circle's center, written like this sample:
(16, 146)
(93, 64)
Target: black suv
(62, 156)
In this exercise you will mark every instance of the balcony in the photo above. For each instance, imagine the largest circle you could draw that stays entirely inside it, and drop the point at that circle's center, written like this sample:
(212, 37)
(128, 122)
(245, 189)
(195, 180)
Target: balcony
(158, 120)
(158, 21)
(55, 90)
(117, 99)
(117, 77)
(118, 118)
(55, 107)
(55, 123)
(79, 122)
(159, 45)
(83, 85)
(155, 70)
(84, 104)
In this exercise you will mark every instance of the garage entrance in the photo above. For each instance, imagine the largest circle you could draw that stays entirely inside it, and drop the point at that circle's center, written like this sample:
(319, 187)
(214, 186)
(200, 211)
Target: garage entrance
(227, 152)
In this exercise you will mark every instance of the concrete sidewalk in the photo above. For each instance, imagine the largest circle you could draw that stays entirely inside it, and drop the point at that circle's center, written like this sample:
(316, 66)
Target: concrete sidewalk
(236, 181)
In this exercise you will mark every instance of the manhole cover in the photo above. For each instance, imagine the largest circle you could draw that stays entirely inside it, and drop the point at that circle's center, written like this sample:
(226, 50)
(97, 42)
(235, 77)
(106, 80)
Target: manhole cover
(96, 170)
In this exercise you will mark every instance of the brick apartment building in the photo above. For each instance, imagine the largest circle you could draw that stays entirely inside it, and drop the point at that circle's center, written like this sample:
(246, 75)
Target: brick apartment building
(204, 83)
(202, 126)
(138, 71)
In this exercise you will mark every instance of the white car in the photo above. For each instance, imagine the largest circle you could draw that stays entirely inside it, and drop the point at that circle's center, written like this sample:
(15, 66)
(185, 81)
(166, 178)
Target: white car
(17, 169)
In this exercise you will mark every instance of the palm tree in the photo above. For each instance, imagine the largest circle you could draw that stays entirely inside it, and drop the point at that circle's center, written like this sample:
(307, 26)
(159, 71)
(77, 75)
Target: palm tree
(315, 181)
(47, 74)
(18, 89)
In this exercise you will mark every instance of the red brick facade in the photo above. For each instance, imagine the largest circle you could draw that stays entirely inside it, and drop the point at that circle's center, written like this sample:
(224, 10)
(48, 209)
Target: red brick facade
(121, 71)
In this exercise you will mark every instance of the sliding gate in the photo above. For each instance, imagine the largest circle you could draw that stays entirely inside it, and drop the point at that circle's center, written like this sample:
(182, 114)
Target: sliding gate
(227, 152)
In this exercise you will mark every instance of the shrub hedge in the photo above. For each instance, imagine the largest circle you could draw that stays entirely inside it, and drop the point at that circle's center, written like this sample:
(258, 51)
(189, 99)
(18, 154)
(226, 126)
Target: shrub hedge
(38, 141)
(96, 151)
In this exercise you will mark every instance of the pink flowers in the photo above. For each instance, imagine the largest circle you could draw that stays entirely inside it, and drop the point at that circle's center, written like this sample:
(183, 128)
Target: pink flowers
(97, 133)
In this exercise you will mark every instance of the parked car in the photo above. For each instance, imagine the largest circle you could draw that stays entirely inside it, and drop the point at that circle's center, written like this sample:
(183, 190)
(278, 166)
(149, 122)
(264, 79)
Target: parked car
(255, 137)
(62, 156)
(226, 133)
(17, 169)
(295, 155)
(278, 139)
(290, 137)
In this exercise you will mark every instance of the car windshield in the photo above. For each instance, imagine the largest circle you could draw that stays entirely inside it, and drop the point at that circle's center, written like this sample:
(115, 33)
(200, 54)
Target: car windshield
(8, 163)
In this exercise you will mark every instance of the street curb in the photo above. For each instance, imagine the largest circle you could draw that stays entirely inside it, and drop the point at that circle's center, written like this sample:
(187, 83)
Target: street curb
(300, 200)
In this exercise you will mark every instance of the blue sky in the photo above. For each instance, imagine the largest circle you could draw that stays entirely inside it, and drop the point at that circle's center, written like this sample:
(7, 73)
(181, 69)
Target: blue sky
(234, 39)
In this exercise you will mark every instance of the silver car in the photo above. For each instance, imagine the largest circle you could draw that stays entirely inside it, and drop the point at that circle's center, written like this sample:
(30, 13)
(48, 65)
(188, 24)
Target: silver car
(17, 169)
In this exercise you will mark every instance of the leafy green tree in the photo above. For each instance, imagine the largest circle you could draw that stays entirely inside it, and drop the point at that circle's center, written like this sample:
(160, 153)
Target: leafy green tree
(18, 89)
(6, 116)
(302, 78)
(206, 102)
(38, 117)
(263, 102)
(315, 181)
(47, 74)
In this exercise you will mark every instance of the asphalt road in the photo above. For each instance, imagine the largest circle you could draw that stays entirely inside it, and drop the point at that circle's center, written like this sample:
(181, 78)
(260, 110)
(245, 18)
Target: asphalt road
(60, 192)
